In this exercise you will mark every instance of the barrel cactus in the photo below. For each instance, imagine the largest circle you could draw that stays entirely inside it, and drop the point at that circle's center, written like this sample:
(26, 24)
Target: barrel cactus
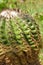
(19, 39)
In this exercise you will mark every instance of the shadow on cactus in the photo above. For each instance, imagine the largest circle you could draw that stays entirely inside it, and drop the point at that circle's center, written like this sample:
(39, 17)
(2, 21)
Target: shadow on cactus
(20, 39)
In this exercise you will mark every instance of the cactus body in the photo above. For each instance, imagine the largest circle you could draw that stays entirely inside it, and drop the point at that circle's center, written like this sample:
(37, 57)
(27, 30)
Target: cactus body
(19, 39)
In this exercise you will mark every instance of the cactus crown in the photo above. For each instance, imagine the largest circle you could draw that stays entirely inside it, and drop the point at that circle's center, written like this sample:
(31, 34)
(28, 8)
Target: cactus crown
(19, 28)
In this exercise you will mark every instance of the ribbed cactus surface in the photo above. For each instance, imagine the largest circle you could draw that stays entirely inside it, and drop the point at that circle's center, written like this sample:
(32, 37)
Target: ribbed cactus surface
(19, 39)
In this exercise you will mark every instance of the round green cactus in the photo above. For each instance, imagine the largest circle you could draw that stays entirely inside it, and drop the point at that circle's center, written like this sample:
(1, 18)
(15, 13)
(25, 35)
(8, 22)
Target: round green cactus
(19, 38)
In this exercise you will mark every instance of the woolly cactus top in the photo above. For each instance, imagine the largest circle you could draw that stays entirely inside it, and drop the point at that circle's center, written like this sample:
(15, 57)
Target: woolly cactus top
(17, 28)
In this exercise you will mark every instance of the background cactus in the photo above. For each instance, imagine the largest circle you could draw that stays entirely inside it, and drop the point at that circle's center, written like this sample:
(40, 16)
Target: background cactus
(19, 39)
